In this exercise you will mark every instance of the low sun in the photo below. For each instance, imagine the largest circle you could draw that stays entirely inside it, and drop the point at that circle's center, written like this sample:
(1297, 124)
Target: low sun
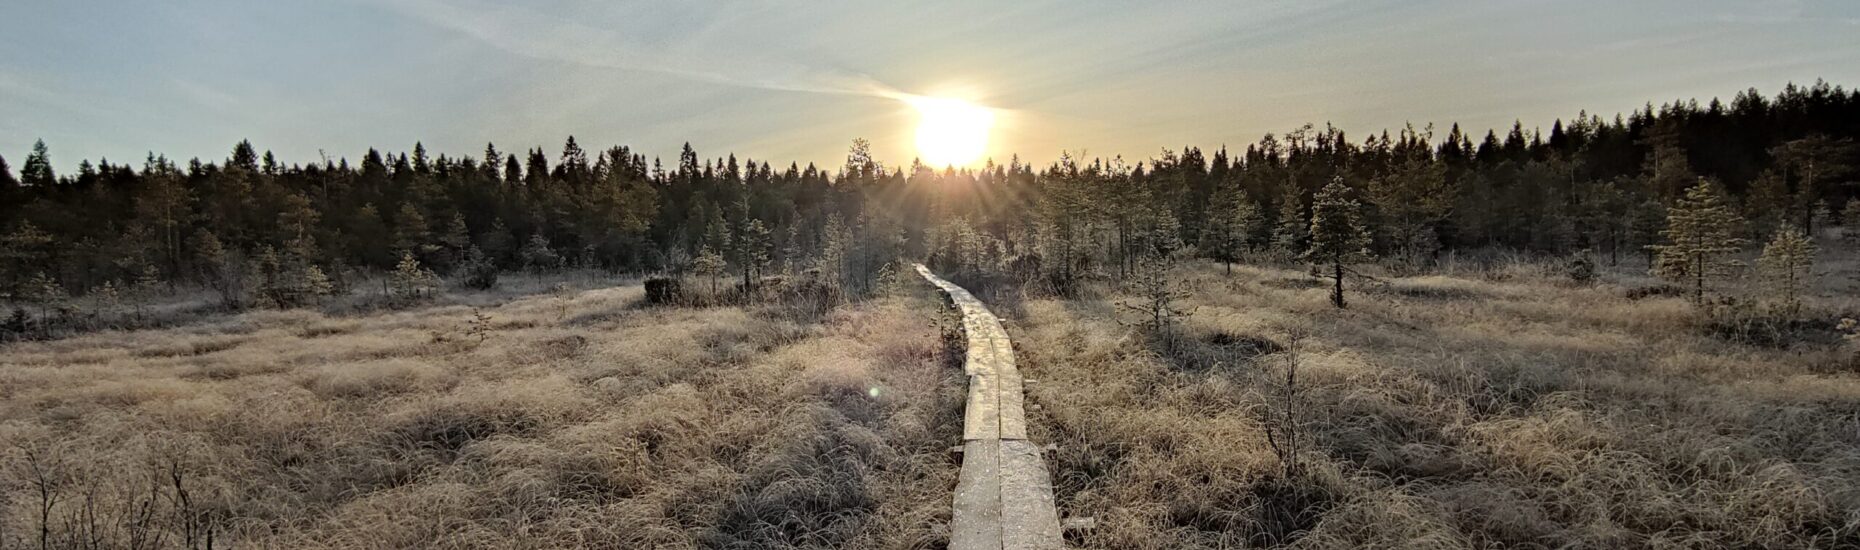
(951, 131)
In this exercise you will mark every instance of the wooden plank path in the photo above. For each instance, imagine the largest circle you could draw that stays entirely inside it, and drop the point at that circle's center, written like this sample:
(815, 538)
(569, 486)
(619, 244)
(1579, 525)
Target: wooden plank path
(1004, 496)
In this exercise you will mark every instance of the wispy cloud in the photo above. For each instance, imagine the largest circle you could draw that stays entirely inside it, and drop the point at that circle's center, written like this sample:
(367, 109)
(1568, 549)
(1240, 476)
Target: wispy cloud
(24, 89)
(536, 36)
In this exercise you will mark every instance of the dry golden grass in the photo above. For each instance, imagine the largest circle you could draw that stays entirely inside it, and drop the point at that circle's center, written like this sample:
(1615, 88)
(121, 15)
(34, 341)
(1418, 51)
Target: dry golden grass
(1505, 408)
(585, 421)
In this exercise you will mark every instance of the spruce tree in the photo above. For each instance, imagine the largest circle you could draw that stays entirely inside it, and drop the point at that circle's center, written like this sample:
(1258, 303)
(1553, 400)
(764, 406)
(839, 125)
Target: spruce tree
(1767, 203)
(1410, 202)
(1165, 235)
(537, 256)
(7, 182)
(1668, 170)
(1293, 230)
(489, 168)
(36, 172)
(477, 270)
(499, 242)
(1701, 233)
(1338, 234)
(794, 250)
(410, 230)
(751, 250)
(1787, 269)
(1230, 227)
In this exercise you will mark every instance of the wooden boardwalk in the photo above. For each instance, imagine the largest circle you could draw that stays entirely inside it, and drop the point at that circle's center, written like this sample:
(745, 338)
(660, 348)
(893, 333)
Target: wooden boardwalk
(1004, 496)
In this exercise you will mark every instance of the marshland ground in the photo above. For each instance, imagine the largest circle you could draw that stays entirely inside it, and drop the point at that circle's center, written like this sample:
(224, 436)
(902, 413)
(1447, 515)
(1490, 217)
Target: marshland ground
(529, 418)
(1486, 404)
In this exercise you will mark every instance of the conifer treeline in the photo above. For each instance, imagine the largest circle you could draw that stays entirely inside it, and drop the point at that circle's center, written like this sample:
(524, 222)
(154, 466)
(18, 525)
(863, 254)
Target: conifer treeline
(1590, 182)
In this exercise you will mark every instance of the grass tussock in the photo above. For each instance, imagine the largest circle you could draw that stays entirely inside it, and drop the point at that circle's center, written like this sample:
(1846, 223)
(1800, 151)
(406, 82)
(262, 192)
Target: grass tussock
(569, 419)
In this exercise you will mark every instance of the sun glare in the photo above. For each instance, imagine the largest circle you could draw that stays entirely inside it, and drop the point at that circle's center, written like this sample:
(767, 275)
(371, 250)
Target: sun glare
(951, 131)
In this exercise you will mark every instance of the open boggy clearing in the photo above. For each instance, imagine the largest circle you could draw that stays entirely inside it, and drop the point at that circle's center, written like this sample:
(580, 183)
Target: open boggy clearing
(1478, 410)
(582, 419)
(1490, 408)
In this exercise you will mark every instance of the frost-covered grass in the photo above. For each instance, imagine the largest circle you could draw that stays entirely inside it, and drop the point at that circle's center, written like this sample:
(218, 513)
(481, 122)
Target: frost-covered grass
(1500, 408)
(581, 420)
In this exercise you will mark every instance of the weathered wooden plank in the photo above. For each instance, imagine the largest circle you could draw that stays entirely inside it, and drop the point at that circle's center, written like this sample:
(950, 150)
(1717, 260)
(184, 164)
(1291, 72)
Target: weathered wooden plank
(982, 415)
(975, 521)
(1028, 516)
(1009, 412)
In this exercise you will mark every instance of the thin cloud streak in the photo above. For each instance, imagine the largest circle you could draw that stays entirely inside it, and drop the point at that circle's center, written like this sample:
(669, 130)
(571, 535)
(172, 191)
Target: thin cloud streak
(552, 39)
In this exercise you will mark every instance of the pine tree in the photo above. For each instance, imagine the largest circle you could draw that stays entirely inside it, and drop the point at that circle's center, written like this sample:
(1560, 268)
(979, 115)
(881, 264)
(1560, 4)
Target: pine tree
(1701, 232)
(1155, 296)
(1338, 235)
(108, 298)
(162, 204)
(1821, 214)
(272, 287)
(1787, 269)
(708, 264)
(45, 292)
(834, 251)
(214, 266)
(291, 278)
(146, 289)
(317, 284)
(410, 282)
(26, 248)
(1814, 161)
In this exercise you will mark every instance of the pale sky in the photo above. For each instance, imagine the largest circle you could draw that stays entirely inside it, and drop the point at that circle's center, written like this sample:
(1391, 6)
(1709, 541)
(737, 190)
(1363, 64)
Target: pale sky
(798, 80)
